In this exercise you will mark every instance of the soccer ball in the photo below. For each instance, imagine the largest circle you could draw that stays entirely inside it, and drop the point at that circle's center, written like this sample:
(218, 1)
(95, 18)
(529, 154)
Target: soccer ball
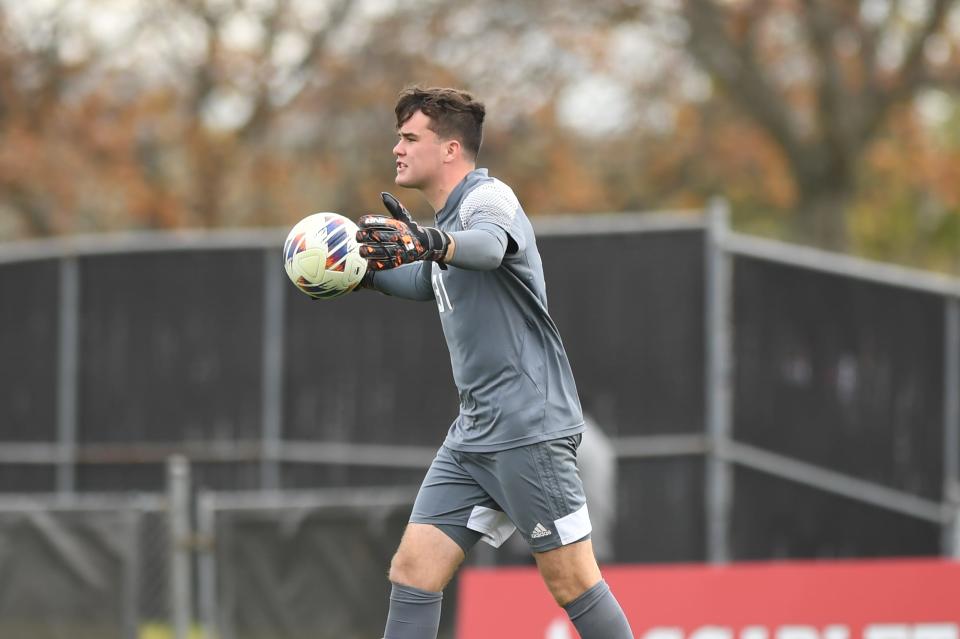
(322, 257)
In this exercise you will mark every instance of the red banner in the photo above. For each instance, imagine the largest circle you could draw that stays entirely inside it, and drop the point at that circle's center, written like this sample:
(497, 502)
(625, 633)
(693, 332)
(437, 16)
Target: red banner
(896, 599)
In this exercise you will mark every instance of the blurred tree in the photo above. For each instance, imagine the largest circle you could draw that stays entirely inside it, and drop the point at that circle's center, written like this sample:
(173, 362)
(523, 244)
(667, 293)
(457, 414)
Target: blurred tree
(909, 203)
(255, 112)
(233, 93)
(634, 105)
(167, 117)
(821, 78)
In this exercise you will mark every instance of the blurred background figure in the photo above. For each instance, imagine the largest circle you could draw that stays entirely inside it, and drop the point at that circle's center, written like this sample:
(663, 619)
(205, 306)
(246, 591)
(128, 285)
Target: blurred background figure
(598, 467)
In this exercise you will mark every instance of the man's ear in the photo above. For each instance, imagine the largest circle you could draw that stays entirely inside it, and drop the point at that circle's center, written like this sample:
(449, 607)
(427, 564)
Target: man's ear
(452, 149)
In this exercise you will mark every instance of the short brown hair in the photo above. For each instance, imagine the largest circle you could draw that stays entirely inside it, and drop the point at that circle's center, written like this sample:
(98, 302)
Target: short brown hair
(453, 114)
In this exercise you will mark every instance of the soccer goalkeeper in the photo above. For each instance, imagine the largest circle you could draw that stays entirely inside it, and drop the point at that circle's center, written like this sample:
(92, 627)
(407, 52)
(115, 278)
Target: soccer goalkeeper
(509, 460)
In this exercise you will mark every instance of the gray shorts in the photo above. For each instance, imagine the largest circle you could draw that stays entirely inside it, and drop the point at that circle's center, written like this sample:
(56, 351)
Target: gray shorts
(535, 489)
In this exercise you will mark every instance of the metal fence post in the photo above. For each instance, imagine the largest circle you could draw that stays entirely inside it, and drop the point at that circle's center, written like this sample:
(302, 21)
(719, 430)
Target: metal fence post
(951, 424)
(718, 383)
(133, 516)
(68, 349)
(272, 369)
(952, 541)
(206, 564)
(178, 495)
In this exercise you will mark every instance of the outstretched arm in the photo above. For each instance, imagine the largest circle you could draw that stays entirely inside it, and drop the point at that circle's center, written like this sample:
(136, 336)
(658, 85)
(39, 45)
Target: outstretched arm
(410, 281)
(479, 248)
(390, 242)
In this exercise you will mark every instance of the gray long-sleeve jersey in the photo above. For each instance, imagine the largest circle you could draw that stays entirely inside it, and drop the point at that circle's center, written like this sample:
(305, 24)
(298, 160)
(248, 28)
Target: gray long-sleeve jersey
(509, 364)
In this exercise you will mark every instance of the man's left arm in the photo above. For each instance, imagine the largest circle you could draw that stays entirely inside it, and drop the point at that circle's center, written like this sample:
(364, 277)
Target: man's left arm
(389, 242)
(480, 248)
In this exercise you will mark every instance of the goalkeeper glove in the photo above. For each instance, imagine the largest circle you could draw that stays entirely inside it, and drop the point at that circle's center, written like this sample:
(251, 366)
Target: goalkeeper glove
(388, 242)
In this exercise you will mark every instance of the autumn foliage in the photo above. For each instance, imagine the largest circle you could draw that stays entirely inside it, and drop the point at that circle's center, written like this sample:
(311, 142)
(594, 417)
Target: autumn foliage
(822, 121)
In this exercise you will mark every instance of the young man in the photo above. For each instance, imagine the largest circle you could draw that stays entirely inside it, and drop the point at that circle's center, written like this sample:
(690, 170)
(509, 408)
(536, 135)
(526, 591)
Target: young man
(509, 459)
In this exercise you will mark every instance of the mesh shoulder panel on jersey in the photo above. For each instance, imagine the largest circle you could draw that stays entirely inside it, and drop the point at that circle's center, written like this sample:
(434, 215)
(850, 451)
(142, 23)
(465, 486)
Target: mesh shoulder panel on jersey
(493, 202)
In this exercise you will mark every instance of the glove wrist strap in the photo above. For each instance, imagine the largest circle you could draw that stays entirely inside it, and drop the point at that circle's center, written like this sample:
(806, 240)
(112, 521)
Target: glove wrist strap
(438, 242)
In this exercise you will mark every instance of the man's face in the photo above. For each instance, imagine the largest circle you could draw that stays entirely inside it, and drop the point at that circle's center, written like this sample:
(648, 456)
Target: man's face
(419, 153)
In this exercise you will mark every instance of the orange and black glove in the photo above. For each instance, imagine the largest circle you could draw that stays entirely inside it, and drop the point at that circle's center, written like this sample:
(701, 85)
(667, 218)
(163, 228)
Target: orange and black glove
(388, 242)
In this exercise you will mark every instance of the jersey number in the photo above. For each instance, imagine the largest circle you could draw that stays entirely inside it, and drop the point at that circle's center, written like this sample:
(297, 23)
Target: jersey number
(440, 293)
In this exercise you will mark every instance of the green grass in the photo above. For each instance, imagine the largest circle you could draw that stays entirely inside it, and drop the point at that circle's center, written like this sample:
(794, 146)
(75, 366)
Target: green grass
(156, 630)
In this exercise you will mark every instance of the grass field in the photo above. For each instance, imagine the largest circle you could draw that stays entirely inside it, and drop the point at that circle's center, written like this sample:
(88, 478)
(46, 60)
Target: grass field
(164, 631)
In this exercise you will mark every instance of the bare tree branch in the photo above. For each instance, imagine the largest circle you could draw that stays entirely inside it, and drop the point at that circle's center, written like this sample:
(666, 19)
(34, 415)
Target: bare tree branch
(913, 73)
(259, 119)
(319, 39)
(204, 81)
(339, 11)
(735, 66)
(870, 38)
(833, 101)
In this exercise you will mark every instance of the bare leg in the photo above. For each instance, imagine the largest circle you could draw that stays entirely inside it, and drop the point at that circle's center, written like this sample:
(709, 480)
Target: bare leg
(569, 571)
(426, 558)
(421, 568)
(573, 578)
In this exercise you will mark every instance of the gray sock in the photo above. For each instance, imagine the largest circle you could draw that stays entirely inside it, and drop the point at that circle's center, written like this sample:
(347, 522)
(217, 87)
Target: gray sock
(597, 615)
(414, 613)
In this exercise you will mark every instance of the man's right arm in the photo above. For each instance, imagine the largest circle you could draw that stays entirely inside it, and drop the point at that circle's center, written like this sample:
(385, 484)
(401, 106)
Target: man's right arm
(410, 281)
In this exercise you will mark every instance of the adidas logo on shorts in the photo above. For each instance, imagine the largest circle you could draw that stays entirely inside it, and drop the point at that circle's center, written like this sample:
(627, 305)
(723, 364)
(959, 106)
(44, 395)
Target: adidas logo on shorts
(539, 531)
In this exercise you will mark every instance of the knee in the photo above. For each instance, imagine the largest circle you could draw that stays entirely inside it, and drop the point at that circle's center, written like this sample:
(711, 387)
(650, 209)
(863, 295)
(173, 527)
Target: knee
(566, 588)
(402, 568)
(408, 569)
(426, 558)
(569, 571)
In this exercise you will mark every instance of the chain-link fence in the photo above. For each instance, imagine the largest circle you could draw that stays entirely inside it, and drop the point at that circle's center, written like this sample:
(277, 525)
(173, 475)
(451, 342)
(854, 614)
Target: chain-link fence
(300, 565)
(761, 400)
(81, 567)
